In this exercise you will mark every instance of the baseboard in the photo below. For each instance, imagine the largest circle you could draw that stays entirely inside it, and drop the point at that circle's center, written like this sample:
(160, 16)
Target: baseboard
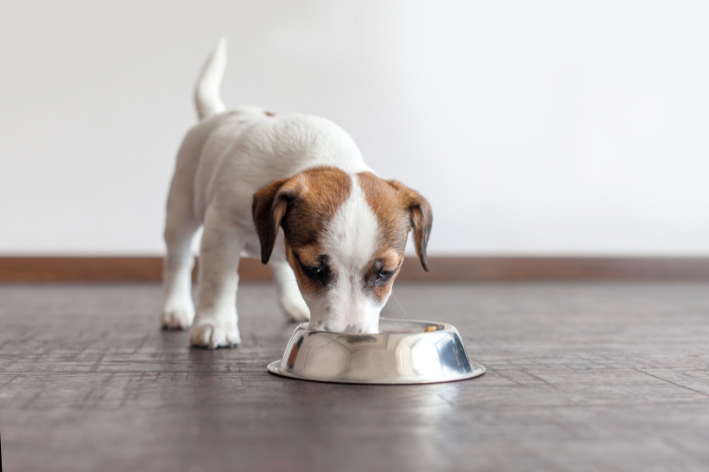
(137, 269)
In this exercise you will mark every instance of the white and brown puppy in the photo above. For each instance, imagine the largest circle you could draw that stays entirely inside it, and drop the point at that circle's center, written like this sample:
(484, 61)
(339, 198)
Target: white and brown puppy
(247, 173)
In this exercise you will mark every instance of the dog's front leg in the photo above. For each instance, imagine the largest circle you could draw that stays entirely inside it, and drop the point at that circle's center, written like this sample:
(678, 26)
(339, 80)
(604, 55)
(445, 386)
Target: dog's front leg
(215, 323)
(289, 296)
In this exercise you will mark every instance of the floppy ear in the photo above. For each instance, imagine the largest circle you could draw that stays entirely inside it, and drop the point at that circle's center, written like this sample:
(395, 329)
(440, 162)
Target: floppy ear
(268, 209)
(421, 219)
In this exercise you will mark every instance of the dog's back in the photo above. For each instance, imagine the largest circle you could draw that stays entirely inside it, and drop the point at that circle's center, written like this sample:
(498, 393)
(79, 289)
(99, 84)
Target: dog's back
(228, 155)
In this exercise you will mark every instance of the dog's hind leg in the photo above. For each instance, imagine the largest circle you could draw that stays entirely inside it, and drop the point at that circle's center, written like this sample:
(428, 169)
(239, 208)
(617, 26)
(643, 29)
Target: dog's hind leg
(180, 227)
(289, 296)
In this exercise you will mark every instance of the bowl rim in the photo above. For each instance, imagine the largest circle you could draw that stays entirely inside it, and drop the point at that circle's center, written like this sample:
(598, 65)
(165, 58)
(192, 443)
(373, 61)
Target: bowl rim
(447, 327)
(478, 370)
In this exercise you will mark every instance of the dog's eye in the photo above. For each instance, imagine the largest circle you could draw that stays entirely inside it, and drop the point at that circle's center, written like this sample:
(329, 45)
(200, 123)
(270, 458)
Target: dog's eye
(318, 274)
(384, 274)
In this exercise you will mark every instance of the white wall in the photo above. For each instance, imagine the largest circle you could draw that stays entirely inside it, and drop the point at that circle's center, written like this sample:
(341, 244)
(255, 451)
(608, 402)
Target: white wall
(532, 127)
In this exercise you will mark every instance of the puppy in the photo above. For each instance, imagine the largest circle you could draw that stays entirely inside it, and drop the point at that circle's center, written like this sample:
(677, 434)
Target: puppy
(248, 173)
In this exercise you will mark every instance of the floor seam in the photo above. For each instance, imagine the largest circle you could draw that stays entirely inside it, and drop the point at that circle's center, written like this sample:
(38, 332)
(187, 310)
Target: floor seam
(671, 382)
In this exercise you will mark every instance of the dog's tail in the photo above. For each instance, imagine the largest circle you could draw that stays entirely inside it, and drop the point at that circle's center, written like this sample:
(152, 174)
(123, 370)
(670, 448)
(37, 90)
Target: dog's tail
(206, 95)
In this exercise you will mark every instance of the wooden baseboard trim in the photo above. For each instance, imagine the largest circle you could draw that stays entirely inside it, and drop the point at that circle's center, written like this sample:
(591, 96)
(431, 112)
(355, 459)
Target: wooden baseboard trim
(139, 269)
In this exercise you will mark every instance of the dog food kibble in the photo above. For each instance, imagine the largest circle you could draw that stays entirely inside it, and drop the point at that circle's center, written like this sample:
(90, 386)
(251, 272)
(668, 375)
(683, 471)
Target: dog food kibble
(430, 329)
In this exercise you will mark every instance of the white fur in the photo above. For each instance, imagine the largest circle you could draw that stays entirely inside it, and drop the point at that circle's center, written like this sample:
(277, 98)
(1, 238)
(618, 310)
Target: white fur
(350, 242)
(206, 95)
(222, 162)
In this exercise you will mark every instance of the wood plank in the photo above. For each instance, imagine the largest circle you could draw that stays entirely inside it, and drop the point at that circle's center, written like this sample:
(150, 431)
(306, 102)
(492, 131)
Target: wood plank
(79, 269)
(136, 269)
(581, 376)
(558, 268)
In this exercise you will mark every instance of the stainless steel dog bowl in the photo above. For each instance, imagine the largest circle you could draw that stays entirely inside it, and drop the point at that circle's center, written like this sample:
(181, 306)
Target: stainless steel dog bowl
(401, 353)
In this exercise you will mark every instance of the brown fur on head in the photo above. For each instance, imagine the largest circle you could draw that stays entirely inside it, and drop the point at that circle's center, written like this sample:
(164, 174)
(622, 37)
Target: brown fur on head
(345, 237)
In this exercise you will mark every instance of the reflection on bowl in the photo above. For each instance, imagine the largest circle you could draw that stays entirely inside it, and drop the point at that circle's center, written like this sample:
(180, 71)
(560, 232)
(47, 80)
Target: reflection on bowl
(401, 353)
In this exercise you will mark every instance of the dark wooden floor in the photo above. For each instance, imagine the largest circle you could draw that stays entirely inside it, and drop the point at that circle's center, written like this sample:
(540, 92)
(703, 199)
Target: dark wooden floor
(581, 377)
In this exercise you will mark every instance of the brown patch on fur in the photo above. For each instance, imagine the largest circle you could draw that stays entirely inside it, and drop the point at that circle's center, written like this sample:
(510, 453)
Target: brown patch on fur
(305, 283)
(269, 113)
(399, 209)
(325, 190)
(421, 218)
(388, 260)
(302, 205)
(382, 291)
(309, 255)
(386, 203)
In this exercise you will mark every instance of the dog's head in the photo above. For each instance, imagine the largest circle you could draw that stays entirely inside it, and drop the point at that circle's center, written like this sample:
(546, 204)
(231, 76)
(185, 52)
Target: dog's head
(344, 238)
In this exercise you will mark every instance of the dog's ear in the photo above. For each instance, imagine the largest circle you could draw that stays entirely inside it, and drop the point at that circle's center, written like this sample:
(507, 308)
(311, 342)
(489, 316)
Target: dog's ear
(268, 209)
(421, 218)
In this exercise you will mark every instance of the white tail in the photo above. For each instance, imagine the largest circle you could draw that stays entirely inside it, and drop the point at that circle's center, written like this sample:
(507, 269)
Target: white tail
(206, 95)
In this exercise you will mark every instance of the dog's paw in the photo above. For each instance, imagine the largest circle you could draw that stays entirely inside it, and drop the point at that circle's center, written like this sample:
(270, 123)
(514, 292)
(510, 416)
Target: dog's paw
(212, 335)
(294, 306)
(177, 315)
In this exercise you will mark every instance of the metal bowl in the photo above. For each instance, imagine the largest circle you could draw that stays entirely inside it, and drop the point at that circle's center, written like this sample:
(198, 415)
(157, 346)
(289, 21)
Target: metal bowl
(403, 352)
